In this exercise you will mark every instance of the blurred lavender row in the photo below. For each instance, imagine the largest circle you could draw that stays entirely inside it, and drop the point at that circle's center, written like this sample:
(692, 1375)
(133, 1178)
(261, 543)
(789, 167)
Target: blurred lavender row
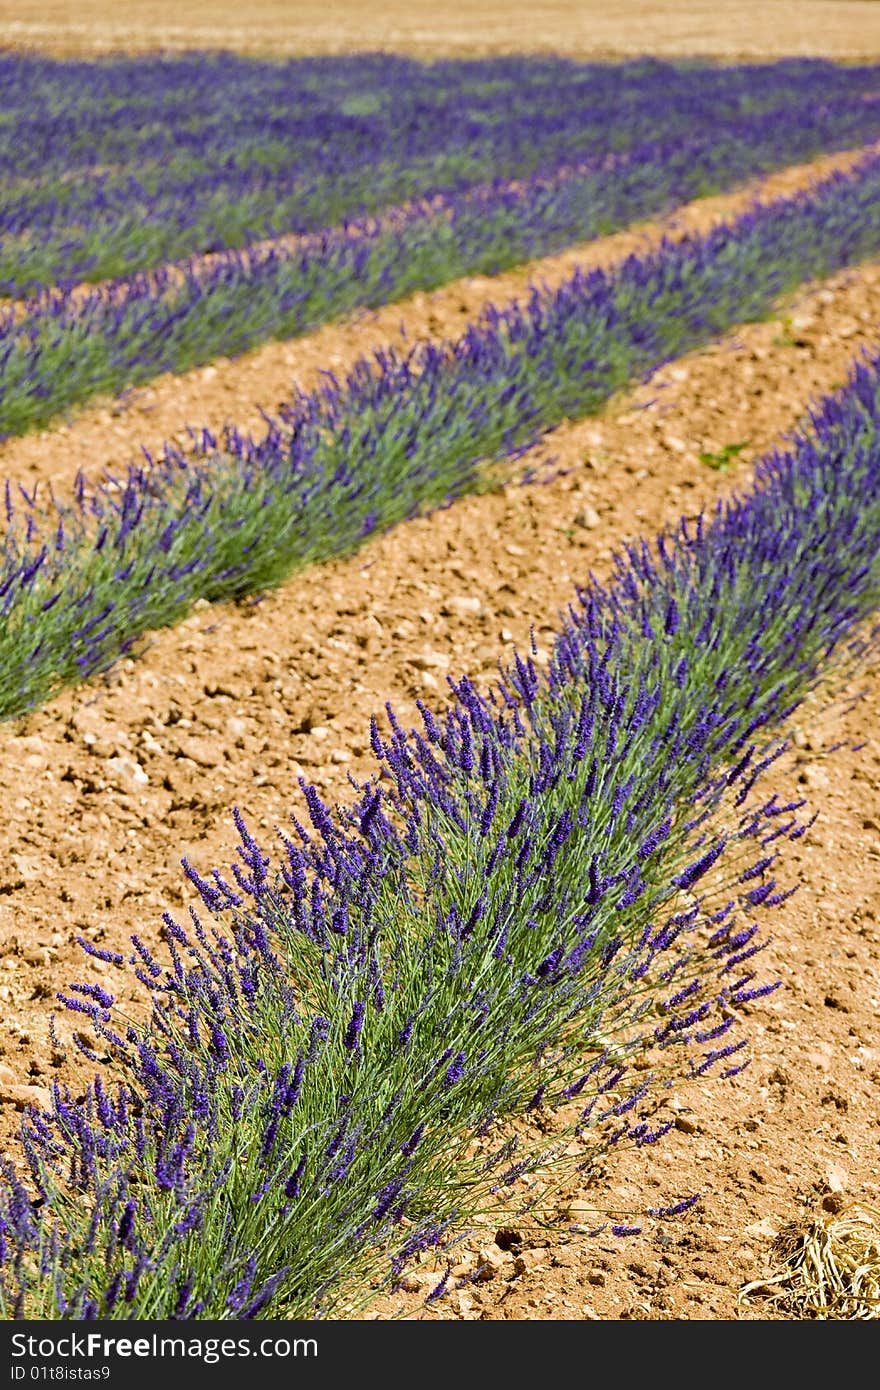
(64, 116)
(115, 166)
(553, 881)
(81, 581)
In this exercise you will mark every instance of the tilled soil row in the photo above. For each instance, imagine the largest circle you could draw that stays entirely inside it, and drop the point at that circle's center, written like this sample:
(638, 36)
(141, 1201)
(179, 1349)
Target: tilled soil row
(110, 433)
(107, 787)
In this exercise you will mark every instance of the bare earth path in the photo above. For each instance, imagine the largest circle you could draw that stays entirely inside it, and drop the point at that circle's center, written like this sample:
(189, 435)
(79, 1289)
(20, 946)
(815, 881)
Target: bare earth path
(109, 433)
(844, 29)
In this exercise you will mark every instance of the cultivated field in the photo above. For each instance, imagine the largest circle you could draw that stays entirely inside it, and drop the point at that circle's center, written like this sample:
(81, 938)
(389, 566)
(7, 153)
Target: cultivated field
(439, 605)
(840, 29)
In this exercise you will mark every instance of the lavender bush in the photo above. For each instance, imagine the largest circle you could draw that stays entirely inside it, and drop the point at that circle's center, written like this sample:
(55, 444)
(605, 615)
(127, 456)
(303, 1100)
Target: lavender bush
(79, 583)
(550, 881)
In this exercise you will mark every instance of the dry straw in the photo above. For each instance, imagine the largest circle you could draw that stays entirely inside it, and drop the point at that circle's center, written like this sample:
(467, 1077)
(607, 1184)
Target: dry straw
(830, 1268)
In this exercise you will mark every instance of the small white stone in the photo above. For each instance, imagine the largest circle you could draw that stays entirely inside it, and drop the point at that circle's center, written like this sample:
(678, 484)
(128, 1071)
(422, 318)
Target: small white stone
(429, 661)
(125, 774)
(461, 606)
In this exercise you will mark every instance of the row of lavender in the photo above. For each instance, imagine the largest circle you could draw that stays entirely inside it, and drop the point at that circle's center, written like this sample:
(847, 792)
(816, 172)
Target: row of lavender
(81, 581)
(555, 881)
(117, 166)
(215, 108)
(70, 346)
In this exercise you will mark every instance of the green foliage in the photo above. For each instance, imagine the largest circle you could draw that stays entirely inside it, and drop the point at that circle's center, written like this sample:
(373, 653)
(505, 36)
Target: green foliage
(725, 456)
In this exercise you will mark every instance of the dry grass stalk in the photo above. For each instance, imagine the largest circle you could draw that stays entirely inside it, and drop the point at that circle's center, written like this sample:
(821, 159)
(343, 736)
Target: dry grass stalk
(830, 1268)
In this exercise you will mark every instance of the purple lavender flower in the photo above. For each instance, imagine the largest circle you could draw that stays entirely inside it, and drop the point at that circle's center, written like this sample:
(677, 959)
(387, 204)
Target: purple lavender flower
(412, 1143)
(126, 1222)
(238, 1295)
(356, 1023)
(318, 1033)
(455, 1071)
(440, 1288)
(292, 1185)
(100, 953)
(700, 866)
(677, 1208)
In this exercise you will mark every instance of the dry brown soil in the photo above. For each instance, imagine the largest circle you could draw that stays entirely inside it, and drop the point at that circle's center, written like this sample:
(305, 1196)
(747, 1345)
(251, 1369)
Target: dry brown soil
(760, 29)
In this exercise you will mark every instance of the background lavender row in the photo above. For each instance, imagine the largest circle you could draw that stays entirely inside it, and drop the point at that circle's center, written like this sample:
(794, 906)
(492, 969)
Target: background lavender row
(197, 154)
(402, 434)
(66, 116)
(69, 348)
(322, 1091)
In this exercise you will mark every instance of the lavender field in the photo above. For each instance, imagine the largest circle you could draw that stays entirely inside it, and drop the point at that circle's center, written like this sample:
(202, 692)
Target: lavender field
(440, 954)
